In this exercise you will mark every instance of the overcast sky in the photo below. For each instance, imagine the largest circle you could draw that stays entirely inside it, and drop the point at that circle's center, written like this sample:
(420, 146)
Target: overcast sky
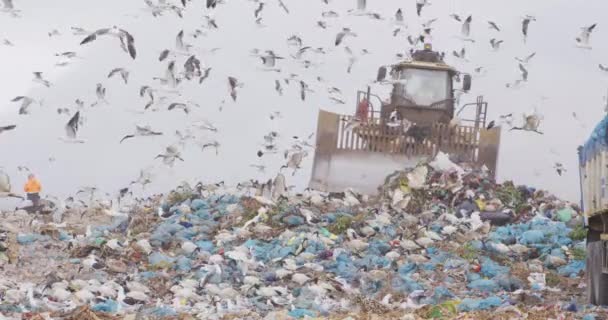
(562, 79)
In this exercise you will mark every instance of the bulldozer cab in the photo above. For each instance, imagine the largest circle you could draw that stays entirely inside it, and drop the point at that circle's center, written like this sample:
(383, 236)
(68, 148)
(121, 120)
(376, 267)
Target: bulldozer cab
(412, 126)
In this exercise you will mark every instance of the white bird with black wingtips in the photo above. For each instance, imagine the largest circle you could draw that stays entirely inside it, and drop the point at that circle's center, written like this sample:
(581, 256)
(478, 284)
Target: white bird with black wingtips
(346, 32)
(142, 131)
(585, 36)
(126, 39)
(71, 129)
(39, 79)
(26, 102)
(171, 154)
(124, 74)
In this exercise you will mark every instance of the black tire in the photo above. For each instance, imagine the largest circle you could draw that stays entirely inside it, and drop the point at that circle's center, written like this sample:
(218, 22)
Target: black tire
(597, 282)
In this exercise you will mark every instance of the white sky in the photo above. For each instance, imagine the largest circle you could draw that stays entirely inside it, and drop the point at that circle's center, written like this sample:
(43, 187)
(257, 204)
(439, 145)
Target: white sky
(563, 79)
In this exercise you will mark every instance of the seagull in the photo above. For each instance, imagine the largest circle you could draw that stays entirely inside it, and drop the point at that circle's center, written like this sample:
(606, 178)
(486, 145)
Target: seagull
(420, 4)
(466, 27)
(399, 16)
(211, 24)
(144, 178)
(283, 6)
(213, 144)
(38, 78)
(495, 43)
(526, 59)
(524, 72)
(525, 25)
(124, 74)
(126, 39)
(270, 60)
(278, 87)
(71, 128)
(25, 103)
(330, 14)
(583, 39)
(295, 160)
(204, 125)
(233, 83)
(171, 153)
(294, 41)
(54, 32)
(100, 91)
(77, 31)
(342, 34)
(7, 128)
(63, 111)
(179, 42)
(170, 78)
(303, 90)
(141, 131)
(559, 168)
(7, 42)
(460, 54)
(179, 105)
(9, 8)
(455, 17)
(531, 123)
(603, 67)
(192, 68)
(322, 24)
(205, 75)
(259, 9)
(493, 25)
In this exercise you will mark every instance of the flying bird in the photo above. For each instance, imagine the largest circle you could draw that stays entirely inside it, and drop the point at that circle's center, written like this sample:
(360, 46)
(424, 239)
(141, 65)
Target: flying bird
(283, 6)
(214, 144)
(466, 27)
(38, 78)
(603, 67)
(100, 91)
(278, 87)
(493, 25)
(179, 105)
(460, 54)
(525, 26)
(259, 9)
(270, 59)
(126, 39)
(495, 43)
(206, 73)
(303, 89)
(233, 84)
(399, 16)
(419, 5)
(170, 155)
(531, 123)
(583, 39)
(26, 102)
(141, 131)
(524, 72)
(192, 68)
(330, 14)
(559, 168)
(7, 128)
(71, 128)
(342, 34)
(526, 59)
(124, 74)
(455, 17)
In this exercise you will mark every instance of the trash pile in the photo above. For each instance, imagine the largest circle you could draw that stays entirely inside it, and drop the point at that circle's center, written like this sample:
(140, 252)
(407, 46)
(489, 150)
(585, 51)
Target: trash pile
(439, 241)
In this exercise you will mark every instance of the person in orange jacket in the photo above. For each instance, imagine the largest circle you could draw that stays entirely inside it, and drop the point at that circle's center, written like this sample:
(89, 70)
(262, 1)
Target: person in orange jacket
(32, 188)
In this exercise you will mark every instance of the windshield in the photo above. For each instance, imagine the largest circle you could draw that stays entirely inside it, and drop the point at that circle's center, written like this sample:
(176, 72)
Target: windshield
(420, 86)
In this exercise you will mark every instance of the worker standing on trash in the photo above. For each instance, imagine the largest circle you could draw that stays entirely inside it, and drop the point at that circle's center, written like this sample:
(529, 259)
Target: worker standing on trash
(33, 188)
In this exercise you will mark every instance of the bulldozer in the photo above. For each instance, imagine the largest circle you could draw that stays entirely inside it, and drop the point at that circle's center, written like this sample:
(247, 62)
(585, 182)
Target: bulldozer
(418, 120)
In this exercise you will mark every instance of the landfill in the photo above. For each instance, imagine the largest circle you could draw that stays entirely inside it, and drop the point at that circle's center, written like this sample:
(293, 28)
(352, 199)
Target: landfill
(439, 241)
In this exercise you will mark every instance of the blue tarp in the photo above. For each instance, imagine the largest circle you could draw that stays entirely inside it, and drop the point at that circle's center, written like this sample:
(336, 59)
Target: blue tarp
(596, 142)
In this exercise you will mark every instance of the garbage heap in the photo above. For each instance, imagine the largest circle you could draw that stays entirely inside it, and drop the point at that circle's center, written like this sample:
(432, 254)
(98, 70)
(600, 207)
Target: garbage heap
(437, 242)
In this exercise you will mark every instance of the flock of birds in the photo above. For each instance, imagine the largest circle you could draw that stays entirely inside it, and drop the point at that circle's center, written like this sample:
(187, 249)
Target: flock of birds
(168, 92)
